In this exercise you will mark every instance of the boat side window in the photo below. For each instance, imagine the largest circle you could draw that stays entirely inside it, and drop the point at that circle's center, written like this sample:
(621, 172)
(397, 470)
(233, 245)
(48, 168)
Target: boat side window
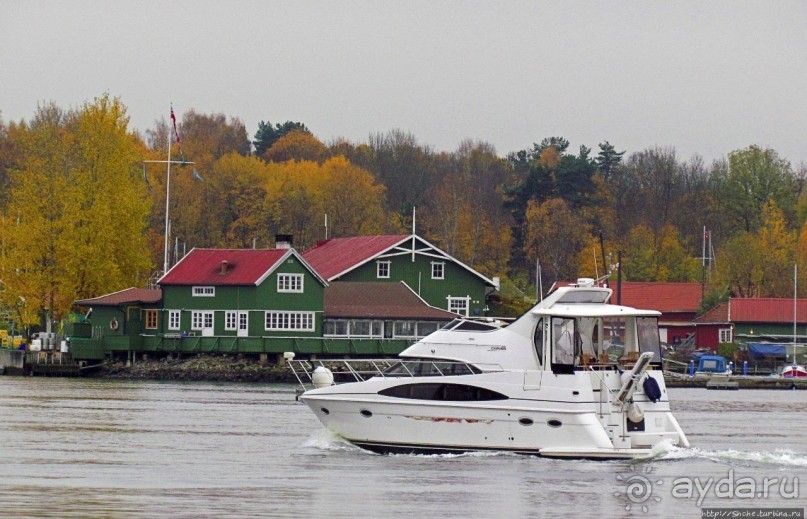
(565, 344)
(444, 392)
(647, 331)
(538, 341)
(429, 368)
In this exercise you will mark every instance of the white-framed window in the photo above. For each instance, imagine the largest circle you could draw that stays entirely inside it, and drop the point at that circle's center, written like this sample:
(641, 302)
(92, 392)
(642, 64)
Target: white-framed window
(151, 319)
(204, 291)
(289, 321)
(459, 305)
(724, 335)
(438, 270)
(425, 328)
(230, 321)
(201, 320)
(404, 329)
(290, 283)
(173, 319)
(382, 269)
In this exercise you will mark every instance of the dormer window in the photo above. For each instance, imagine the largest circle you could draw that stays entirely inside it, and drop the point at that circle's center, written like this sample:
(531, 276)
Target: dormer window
(204, 291)
(382, 269)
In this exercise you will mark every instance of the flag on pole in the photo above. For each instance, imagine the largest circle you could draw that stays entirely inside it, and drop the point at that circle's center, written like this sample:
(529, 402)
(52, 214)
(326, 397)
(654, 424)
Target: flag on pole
(176, 133)
(197, 176)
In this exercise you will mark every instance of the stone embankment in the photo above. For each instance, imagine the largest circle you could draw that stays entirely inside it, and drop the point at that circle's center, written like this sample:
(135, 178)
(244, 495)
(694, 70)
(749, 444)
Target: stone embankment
(213, 368)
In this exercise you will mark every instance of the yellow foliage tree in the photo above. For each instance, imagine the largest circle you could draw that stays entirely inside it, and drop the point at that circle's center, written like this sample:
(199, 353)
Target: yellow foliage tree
(77, 227)
(555, 235)
(759, 264)
(296, 145)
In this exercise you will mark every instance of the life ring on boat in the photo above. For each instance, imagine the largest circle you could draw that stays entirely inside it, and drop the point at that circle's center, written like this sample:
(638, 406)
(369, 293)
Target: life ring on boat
(113, 324)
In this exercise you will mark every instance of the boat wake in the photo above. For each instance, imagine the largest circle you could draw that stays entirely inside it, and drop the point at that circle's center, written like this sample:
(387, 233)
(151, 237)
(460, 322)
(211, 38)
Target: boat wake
(778, 457)
(326, 440)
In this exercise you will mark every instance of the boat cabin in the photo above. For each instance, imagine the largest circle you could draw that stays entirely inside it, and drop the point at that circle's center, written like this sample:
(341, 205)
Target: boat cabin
(573, 329)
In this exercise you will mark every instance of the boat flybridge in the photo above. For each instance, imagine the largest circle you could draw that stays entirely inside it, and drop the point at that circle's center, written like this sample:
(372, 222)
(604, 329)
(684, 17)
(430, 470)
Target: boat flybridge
(573, 377)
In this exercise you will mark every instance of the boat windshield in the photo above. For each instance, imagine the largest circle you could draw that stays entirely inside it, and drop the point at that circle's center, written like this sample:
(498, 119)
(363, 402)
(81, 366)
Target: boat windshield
(429, 368)
(471, 325)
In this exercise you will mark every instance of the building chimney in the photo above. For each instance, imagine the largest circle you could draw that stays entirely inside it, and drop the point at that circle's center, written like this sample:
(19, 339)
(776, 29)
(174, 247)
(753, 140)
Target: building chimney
(283, 241)
(224, 266)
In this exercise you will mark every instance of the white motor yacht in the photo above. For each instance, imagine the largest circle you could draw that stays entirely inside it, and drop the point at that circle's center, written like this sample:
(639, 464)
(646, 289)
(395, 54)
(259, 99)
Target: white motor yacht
(573, 377)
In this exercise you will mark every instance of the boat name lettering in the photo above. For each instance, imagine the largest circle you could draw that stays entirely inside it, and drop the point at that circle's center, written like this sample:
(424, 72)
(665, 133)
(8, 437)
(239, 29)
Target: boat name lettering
(497, 348)
(450, 420)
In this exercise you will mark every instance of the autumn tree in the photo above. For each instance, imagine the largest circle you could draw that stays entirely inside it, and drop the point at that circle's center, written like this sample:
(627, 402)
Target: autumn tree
(354, 202)
(759, 264)
(467, 218)
(555, 235)
(296, 145)
(77, 228)
(658, 256)
(267, 134)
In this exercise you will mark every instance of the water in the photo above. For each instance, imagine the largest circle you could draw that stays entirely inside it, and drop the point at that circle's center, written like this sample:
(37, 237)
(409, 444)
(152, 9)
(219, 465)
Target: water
(94, 448)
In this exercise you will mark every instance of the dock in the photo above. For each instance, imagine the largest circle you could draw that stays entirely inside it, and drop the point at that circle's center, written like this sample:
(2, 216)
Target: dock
(733, 382)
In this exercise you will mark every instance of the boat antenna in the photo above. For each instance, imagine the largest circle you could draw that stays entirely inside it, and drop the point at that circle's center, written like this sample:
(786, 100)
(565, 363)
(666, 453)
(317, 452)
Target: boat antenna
(596, 271)
(539, 284)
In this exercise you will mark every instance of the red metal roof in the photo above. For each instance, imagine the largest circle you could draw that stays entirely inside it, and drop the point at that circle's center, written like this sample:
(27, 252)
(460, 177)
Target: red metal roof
(204, 266)
(129, 295)
(658, 295)
(379, 300)
(331, 258)
(766, 310)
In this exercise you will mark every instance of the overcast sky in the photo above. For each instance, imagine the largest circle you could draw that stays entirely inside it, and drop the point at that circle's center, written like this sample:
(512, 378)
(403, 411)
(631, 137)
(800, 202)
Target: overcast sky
(706, 77)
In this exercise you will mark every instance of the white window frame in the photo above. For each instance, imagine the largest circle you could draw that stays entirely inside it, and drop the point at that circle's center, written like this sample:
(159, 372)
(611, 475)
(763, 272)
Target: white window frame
(230, 321)
(722, 333)
(206, 291)
(438, 269)
(290, 283)
(151, 313)
(289, 321)
(202, 319)
(174, 319)
(380, 266)
(461, 309)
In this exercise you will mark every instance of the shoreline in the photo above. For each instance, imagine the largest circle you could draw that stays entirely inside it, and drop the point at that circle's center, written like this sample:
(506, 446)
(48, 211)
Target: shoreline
(200, 368)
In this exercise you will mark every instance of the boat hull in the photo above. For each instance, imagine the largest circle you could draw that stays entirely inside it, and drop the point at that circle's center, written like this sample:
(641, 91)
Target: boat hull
(564, 420)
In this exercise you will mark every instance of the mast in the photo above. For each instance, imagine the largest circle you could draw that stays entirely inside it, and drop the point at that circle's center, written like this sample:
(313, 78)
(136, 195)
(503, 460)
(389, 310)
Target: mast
(167, 197)
(795, 290)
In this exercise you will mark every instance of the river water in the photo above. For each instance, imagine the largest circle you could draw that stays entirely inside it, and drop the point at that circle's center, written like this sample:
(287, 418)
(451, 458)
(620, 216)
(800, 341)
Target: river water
(99, 448)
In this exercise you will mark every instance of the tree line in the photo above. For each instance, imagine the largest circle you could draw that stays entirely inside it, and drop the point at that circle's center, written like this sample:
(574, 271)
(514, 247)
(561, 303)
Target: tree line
(82, 210)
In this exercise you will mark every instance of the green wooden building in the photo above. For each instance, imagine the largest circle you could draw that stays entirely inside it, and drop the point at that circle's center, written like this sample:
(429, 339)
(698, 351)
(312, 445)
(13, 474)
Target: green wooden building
(439, 279)
(240, 293)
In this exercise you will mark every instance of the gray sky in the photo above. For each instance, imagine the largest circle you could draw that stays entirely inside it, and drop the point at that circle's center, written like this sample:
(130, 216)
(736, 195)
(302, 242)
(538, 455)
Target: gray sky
(706, 77)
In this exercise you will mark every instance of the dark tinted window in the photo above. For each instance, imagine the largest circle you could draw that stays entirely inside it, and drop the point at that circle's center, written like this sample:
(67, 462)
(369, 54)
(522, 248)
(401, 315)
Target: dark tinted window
(445, 392)
(429, 368)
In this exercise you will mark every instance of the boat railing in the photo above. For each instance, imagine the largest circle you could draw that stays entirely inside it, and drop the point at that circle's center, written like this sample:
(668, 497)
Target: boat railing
(359, 370)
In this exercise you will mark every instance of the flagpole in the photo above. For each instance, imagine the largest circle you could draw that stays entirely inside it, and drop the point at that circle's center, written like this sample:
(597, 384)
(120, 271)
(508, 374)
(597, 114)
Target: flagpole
(168, 187)
(167, 197)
